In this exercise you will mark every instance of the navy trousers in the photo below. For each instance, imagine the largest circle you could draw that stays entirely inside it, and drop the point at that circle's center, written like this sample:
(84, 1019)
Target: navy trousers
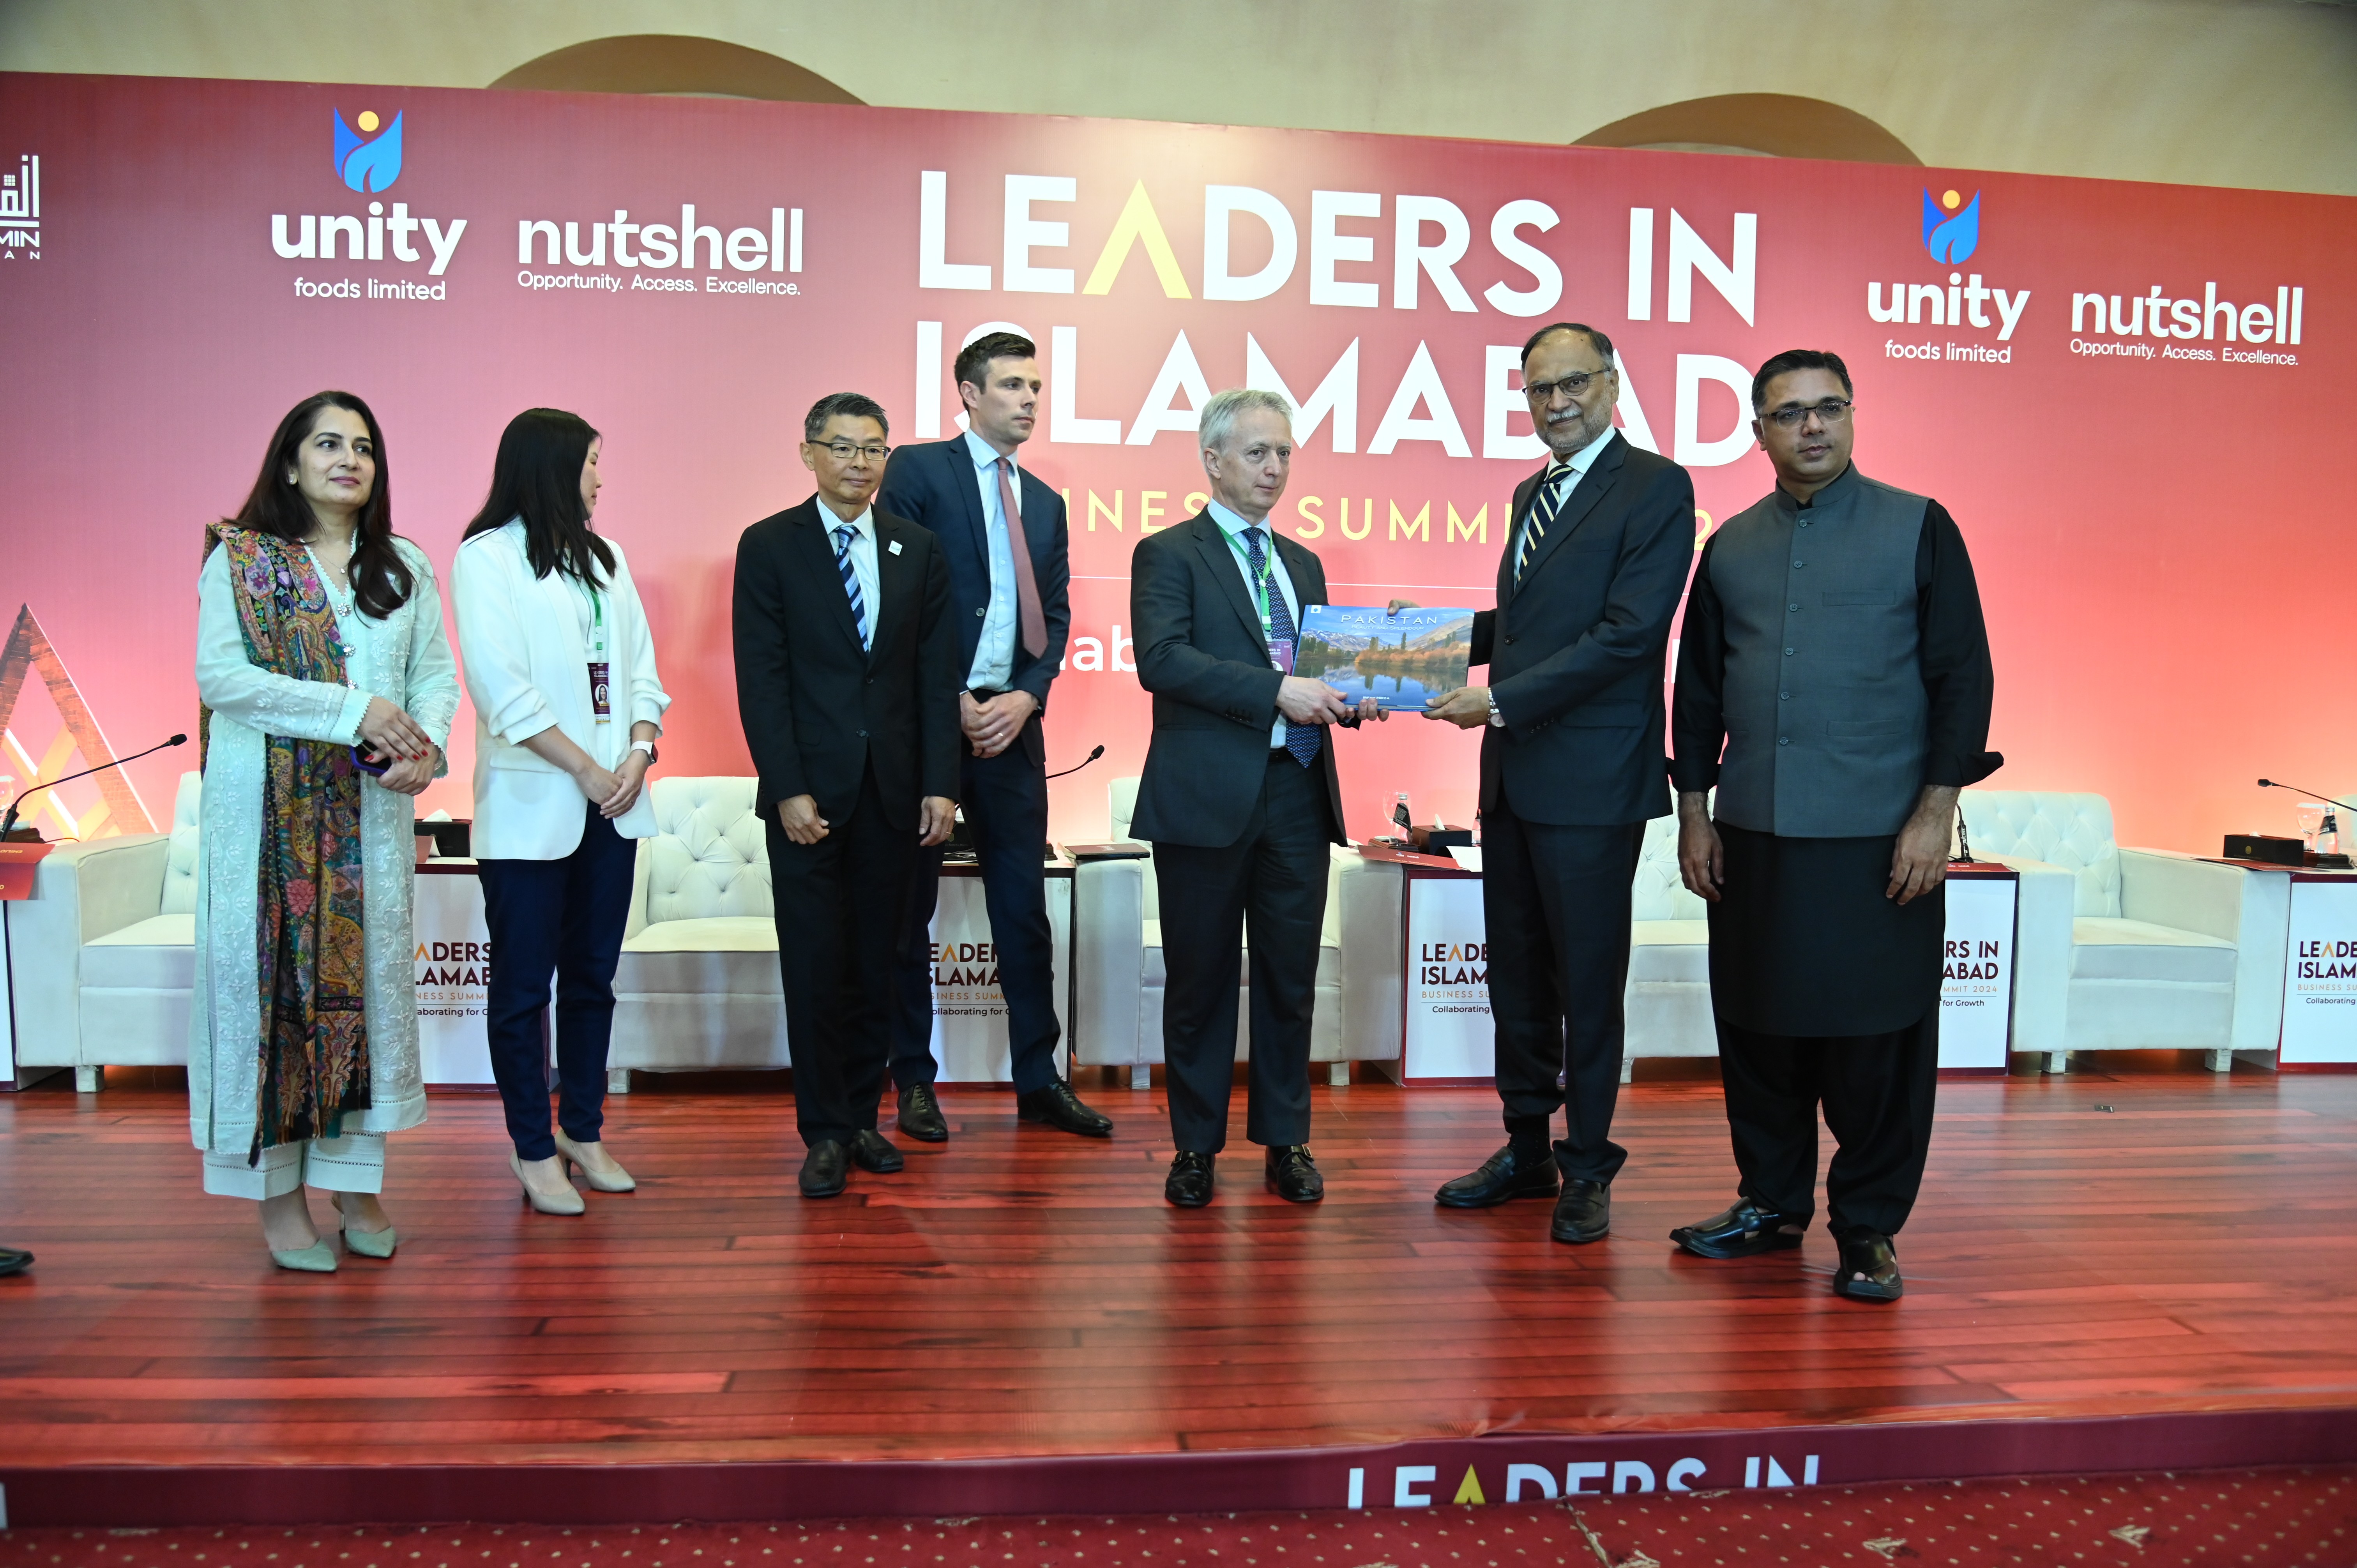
(1006, 803)
(561, 919)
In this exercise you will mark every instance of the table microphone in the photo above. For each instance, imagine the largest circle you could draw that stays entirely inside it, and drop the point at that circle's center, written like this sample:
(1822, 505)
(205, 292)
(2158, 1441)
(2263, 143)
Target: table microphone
(2271, 784)
(1083, 762)
(8, 824)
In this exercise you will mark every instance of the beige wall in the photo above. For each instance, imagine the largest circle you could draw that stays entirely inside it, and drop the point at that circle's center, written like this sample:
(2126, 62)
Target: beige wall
(2240, 93)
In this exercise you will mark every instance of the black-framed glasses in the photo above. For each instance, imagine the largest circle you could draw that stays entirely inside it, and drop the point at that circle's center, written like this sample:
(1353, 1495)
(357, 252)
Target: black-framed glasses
(1573, 386)
(1833, 410)
(844, 451)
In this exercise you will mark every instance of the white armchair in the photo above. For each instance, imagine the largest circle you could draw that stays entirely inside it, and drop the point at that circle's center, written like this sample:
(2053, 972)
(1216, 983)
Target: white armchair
(1668, 996)
(697, 986)
(2130, 949)
(1118, 1001)
(104, 952)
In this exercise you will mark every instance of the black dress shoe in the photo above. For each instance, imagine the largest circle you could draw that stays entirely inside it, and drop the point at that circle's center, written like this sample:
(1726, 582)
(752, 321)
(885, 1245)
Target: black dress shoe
(920, 1115)
(1059, 1108)
(1188, 1184)
(1745, 1231)
(12, 1262)
(1503, 1176)
(1294, 1174)
(1869, 1270)
(873, 1152)
(1584, 1212)
(825, 1169)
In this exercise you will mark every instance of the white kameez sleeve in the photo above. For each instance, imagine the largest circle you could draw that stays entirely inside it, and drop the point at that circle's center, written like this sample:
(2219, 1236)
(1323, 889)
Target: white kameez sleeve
(431, 687)
(233, 685)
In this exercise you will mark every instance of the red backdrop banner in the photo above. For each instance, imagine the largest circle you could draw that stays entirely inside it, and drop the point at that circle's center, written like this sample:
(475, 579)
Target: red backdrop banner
(2133, 398)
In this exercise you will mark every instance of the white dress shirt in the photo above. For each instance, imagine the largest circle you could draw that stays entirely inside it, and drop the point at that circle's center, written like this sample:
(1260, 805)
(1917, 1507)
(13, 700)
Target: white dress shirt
(1565, 483)
(863, 562)
(993, 651)
(1279, 579)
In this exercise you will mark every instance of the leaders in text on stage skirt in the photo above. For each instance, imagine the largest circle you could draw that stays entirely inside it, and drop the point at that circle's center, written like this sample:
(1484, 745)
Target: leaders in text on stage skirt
(568, 707)
(327, 691)
(1002, 533)
(847, 682)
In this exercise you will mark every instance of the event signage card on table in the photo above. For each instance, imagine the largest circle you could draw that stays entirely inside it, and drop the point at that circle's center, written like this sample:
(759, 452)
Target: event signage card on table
(1402, 659)
(2319, 1009)
(692, 274)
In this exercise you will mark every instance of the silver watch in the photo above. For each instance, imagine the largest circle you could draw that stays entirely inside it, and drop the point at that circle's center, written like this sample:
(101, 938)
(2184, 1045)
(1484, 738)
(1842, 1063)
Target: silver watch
(1496, 718)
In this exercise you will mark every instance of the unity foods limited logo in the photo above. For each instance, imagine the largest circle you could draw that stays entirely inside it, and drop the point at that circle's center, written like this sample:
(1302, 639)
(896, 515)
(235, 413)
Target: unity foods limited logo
(365, 164)
(1951, 235)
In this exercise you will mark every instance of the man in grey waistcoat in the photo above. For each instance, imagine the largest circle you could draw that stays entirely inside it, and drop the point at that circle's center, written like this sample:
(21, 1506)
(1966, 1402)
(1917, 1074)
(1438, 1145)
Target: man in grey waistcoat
(1834, 651)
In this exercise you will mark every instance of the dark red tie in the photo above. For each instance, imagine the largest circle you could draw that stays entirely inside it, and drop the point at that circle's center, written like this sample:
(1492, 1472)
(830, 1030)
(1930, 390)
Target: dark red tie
(1027, 616)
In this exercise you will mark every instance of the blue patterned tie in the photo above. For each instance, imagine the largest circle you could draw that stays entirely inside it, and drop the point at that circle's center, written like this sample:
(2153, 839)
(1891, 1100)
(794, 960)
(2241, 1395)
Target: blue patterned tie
(1301, 740)
(1542, 512)
(842, 538)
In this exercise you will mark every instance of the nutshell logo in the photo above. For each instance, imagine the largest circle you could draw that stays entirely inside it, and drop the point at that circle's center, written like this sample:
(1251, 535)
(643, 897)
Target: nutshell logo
(363, 165)
(1951, 236)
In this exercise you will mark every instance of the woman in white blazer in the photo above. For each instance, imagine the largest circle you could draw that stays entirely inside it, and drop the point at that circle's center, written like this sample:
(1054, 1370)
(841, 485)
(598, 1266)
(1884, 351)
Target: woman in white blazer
(568, 709)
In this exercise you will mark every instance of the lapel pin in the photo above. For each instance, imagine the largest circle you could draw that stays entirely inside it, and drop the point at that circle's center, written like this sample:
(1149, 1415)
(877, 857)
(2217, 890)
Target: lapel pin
(896, 547)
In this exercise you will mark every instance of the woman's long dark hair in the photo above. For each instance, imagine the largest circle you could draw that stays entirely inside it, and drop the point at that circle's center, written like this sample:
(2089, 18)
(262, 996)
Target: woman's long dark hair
(537, 477)
(381, 579)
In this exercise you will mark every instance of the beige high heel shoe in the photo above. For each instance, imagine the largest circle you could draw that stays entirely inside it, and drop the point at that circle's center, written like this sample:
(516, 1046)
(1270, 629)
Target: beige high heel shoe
(615, 1179)
(546, 1203)
(367, 1244)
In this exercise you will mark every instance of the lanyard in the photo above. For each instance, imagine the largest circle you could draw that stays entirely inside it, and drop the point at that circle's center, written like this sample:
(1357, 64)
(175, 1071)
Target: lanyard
(1260, 583)
(601, 704)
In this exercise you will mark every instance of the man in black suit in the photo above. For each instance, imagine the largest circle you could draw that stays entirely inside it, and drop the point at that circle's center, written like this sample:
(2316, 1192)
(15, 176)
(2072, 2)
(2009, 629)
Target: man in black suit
(1002, 532)
(846, 682)
(1572, 765)
(1239, 797)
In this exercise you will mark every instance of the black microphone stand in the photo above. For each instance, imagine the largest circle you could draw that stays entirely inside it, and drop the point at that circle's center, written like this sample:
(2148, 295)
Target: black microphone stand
(8, 824)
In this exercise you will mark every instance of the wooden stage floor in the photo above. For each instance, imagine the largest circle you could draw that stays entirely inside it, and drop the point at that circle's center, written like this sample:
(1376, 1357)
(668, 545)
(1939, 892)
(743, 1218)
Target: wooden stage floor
(2101, 1245)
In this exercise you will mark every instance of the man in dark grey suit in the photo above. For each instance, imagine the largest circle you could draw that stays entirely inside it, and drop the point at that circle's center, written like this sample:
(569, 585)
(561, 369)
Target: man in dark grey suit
(1572, 765)
(1239, 797)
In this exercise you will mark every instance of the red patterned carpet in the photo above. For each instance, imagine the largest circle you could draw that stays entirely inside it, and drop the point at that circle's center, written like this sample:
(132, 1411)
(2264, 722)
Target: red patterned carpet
(2218, 1517)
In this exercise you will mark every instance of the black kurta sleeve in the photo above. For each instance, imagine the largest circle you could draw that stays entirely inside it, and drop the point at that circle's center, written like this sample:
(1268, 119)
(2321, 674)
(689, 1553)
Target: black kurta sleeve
(1697, 717)
(1958, 678)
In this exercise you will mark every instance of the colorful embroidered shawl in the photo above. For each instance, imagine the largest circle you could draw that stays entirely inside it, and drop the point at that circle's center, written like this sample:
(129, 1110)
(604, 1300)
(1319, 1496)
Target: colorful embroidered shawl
(310, 955)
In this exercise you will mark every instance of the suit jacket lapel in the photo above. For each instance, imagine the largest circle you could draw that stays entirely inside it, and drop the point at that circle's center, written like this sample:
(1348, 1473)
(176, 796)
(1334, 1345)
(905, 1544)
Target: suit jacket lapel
(1227, 570)
(1599, 478)
(893, 584)
(966, 480)
(818, 524)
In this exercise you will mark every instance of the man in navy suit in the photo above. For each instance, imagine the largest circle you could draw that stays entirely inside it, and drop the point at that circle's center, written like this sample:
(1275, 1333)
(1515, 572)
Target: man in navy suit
(1001, 532)
(1598, 545)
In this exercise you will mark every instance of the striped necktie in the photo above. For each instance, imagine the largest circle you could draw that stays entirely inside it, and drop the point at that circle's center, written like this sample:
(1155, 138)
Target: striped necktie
(842, 538)
(1301, 740)
(1544, 508)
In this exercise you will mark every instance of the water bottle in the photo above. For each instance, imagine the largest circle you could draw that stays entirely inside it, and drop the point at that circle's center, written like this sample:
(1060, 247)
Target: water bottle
(1401, 816)
(2327, 835)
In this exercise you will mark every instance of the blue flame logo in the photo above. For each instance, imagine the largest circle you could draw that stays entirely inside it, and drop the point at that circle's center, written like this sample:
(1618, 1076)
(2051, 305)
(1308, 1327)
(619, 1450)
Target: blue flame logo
(1950, 235)
(361, 164)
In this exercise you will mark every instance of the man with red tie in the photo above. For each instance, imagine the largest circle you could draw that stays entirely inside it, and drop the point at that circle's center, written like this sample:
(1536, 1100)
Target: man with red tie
(1002, 532)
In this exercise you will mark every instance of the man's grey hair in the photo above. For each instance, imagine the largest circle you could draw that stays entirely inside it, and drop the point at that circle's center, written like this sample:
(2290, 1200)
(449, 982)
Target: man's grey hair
(1220, 415)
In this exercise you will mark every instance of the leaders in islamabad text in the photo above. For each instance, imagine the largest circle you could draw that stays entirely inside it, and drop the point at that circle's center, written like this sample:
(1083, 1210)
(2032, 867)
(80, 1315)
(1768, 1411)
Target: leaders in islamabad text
(847, 682)
(1835, 685)
(1239, 797)
(568, 706)
(1001, 530)
(326, 691)
(1572, 762)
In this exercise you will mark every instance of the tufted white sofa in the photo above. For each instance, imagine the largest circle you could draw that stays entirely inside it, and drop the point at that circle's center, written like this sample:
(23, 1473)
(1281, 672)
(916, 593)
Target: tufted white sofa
(2130, 949)
(104, 952)
(697, 984)
(1118, 932)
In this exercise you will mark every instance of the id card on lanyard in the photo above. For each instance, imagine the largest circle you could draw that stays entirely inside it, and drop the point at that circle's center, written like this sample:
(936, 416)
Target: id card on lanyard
(601, 688)
(1280, 654)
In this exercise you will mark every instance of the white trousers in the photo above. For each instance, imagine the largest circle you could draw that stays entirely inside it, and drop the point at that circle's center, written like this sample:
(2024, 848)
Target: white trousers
(353, 1162)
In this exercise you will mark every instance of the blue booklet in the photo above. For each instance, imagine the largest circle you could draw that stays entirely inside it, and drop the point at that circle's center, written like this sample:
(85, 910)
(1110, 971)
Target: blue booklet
(1401, 661)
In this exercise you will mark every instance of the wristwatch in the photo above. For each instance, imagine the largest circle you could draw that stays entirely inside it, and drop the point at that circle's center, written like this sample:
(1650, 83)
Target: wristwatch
(1496, 718)
(648, 746)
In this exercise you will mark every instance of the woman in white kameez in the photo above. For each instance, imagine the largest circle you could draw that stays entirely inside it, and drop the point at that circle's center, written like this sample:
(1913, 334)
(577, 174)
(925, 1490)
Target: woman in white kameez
(327, 690)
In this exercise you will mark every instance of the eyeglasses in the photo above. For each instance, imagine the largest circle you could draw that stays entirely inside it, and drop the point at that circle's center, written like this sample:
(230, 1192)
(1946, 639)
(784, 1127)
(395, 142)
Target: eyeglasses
(844, 451)
(1833, 410)
(1572, 386)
